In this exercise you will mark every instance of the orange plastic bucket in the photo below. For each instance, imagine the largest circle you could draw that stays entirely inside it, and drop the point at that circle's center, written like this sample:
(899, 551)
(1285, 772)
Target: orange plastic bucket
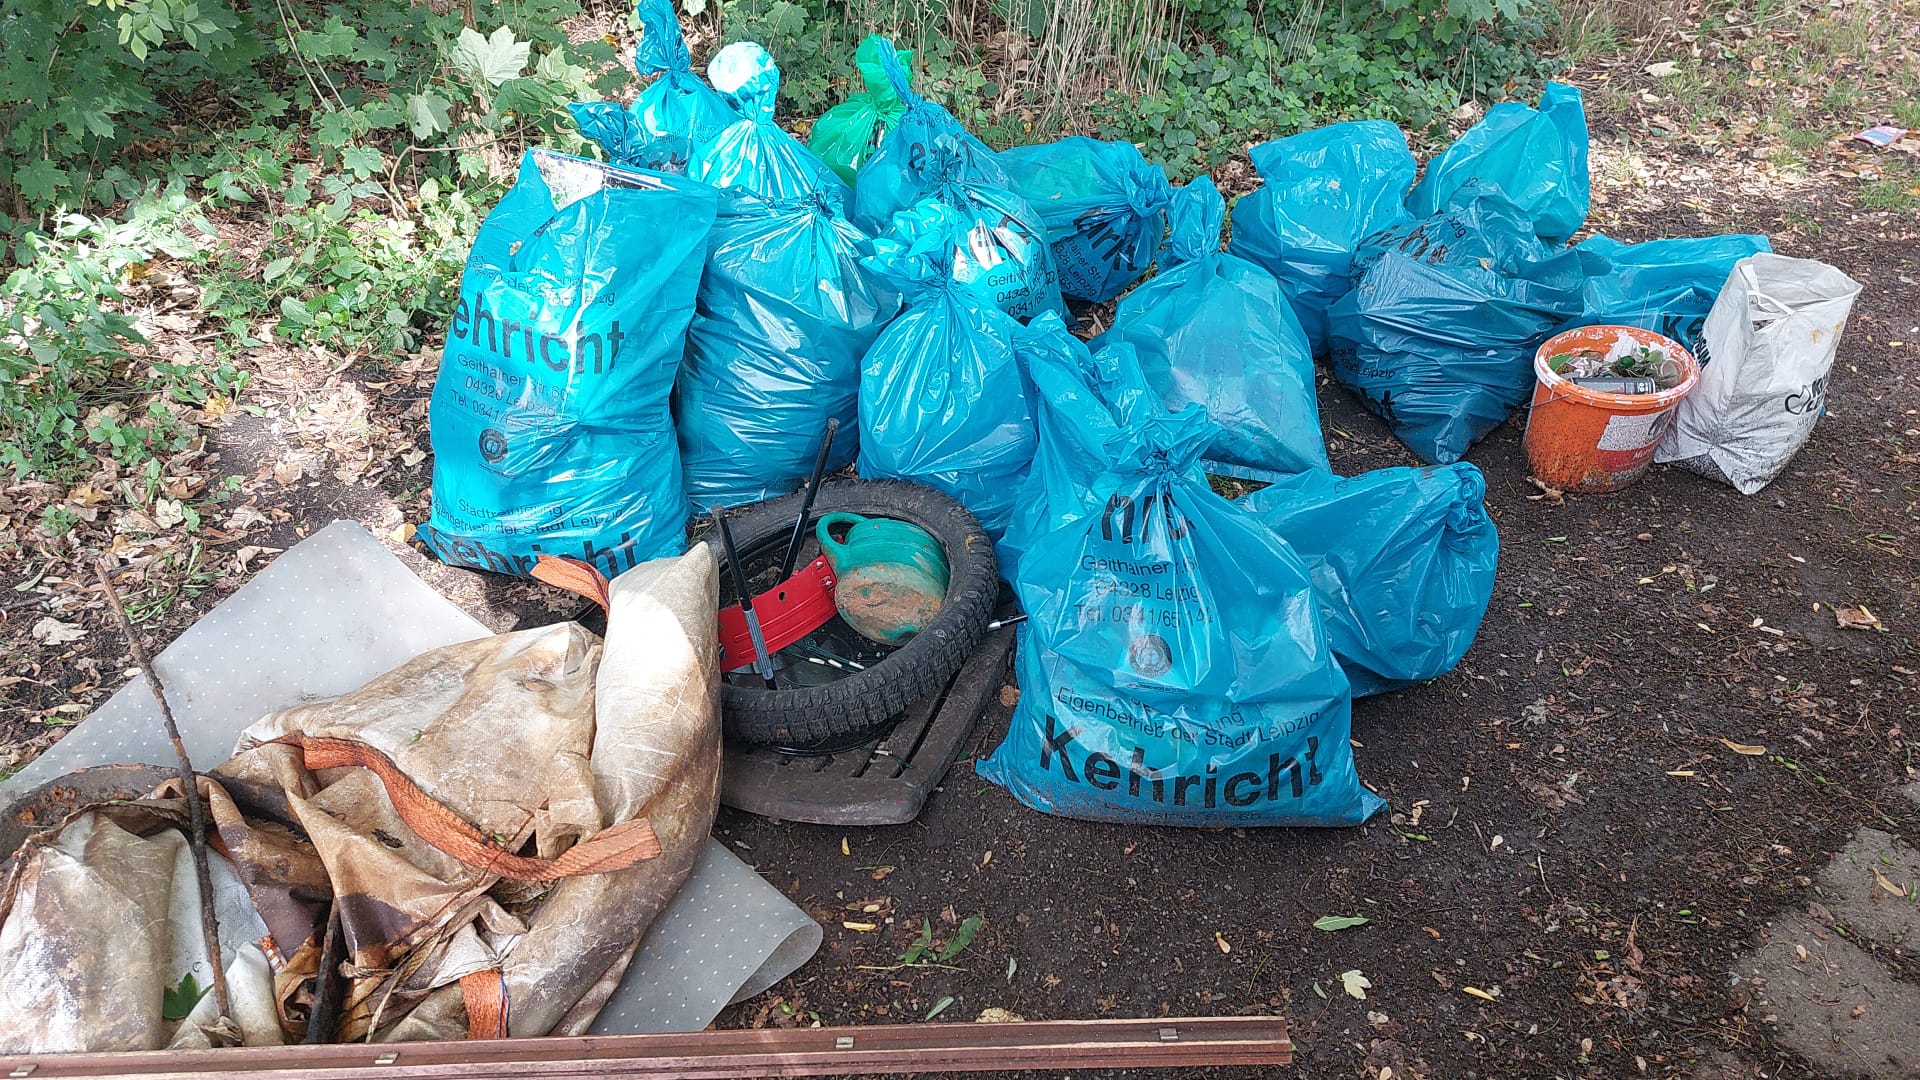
(1589, 440)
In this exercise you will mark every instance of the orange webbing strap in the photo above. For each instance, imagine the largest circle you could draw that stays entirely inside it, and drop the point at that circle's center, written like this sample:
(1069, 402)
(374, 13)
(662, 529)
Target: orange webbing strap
(486, 996)
(576, 577)
(614, 848)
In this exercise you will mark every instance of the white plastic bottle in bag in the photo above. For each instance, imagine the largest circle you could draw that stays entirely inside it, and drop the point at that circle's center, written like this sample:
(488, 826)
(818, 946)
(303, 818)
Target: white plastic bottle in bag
(1770, 340)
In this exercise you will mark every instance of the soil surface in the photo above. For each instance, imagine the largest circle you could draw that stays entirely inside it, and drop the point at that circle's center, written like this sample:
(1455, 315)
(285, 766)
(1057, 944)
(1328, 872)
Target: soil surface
(1582, 838)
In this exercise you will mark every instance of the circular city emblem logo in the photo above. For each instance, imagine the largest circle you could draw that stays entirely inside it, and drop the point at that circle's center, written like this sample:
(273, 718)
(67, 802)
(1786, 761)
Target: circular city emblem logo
(1150, 656)
(493, 444)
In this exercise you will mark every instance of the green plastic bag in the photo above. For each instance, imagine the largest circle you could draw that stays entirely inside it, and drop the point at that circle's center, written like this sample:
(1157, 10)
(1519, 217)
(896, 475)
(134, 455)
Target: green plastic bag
(847, 134)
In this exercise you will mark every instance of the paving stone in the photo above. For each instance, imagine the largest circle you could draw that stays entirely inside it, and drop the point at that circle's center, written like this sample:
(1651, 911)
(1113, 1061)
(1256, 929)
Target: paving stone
(1861, 901)
(1912, 792)
(1831, 1002)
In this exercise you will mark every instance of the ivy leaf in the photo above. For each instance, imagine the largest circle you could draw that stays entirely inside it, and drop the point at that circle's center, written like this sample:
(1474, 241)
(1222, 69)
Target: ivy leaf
(493, 59)
(1355, 984)
(1339, 922)
(427, 115)
(178, 1001)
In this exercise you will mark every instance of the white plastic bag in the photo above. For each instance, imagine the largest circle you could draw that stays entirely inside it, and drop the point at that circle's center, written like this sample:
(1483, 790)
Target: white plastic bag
(1770, 342)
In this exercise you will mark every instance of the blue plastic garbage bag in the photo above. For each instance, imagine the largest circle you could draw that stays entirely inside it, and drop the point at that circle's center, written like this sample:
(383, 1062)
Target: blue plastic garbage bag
(1213, 328)
(1402, 563)
(1082, 400)
(674, 116)
(898, 175)
(942, 401)
(1666, 286)
(1537, 157)
(1103, 205)
(550, 418)
(756, 154)
(1323, 191)
(785, 314)
(1439, 332)
(997, 245)
(1174, 668)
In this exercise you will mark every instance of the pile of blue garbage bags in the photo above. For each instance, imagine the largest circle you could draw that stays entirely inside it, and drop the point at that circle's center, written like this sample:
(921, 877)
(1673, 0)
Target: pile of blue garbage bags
(642, 338)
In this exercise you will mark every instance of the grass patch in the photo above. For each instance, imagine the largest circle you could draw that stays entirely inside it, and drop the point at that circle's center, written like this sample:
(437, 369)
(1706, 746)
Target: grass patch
(1899, 189)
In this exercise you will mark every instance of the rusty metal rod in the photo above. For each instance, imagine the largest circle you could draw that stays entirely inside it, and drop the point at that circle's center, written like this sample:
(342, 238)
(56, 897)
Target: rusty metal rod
(724, 1055)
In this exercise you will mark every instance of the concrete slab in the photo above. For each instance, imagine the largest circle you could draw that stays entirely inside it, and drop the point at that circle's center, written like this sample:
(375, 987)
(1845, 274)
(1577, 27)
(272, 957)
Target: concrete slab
(1858, 888)
(1832, 1002)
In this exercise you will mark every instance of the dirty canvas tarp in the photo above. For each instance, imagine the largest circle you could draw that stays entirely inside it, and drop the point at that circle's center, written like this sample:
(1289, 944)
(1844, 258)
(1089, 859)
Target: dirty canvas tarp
(596, 775)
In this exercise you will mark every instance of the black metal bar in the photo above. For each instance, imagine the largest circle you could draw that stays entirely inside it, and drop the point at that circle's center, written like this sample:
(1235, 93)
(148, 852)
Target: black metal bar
(806, 506)
(762, 663)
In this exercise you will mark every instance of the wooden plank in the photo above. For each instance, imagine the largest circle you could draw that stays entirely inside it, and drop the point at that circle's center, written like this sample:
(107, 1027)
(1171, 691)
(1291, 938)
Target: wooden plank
(812, 790)
(723, 1055)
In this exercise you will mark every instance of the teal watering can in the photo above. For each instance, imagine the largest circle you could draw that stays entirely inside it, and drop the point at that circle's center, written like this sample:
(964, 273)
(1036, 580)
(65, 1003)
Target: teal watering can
(892, 575)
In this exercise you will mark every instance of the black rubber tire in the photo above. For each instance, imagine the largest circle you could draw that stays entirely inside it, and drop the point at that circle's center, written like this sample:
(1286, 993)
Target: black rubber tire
(846, 711)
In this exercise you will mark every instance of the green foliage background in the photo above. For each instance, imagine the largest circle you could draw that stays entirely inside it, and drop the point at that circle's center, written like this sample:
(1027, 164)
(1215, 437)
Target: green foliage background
(365, 137)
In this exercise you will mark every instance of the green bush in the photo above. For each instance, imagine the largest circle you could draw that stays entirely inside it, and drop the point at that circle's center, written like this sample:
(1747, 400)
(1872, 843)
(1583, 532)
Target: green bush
(67, 380)
(1239, 79)
(97, 98)
(1191, 82)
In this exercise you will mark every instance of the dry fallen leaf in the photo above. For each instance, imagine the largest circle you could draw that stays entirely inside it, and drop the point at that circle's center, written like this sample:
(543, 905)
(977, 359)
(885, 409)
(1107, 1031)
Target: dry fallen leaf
(1887, 884)
(1800, 951)
(1663, 69)
(51, 631)
(1355, 983)
(168, 512)
(863, 927)
(1743, 748)
(1857, 618)
(1477, 992)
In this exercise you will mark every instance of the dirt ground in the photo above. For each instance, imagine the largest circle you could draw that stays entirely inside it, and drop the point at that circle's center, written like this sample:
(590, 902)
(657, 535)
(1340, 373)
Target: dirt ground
(1581, 839)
